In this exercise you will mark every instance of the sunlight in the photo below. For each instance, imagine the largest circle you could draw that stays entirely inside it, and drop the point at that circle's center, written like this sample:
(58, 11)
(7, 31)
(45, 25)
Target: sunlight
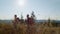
(21, 3)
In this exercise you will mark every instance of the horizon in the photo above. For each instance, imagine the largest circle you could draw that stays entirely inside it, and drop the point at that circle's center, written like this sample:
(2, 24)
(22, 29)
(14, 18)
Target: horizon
(43, 9)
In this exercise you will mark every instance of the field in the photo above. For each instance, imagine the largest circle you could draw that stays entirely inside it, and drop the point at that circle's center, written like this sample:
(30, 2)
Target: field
(23, 29)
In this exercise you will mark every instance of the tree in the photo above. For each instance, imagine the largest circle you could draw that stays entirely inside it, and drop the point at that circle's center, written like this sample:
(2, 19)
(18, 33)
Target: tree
(21, 16)
(33, 16)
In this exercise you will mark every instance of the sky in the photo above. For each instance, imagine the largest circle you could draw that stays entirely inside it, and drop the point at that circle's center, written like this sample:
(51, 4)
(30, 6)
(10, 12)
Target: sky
(43, 9)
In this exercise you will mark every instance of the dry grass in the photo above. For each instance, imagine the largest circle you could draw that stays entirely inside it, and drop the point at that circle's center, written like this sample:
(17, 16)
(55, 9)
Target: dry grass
(22, 29)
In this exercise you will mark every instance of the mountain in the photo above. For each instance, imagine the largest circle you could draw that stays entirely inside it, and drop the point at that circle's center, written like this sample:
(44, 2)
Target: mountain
(37, 21)
(6, 21)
